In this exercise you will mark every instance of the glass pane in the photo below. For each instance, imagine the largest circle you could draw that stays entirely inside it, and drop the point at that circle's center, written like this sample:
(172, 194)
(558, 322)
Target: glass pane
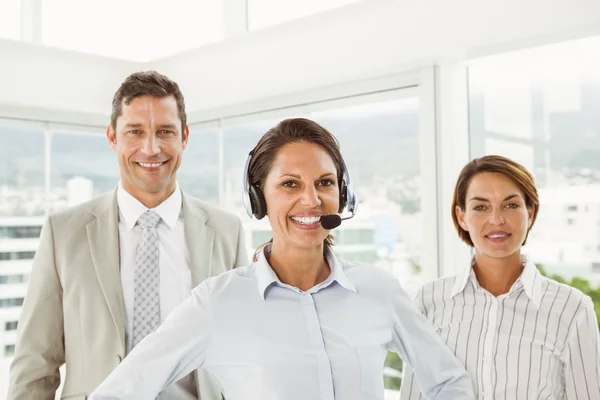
(131, 29)
(10, 19)
(82, 167)
(22, 184)
(387, 228)
(198, 174)
(262, 13)
(540, 108)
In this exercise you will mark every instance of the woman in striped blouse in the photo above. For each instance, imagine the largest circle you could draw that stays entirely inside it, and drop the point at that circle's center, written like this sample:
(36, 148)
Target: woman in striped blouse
(519, 334)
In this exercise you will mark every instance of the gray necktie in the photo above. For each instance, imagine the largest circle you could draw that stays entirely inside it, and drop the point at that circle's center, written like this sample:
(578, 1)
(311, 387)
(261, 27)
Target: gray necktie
(146, 303)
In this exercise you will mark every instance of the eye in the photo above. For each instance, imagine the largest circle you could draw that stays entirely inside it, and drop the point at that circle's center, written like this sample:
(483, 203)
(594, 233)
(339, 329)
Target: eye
(166, 132)
(512, 206)
(326, 182)
(135, 131)
(290, 184)
(479, 208)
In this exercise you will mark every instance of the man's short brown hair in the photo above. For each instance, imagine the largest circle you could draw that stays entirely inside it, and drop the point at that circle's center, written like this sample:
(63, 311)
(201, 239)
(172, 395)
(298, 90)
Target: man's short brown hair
(146, 83)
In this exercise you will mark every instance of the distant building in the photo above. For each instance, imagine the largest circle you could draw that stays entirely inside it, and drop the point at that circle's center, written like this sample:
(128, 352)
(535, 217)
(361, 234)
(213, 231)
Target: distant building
(19, 239)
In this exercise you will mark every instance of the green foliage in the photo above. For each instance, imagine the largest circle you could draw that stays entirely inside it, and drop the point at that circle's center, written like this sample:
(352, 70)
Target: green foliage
(393, 361)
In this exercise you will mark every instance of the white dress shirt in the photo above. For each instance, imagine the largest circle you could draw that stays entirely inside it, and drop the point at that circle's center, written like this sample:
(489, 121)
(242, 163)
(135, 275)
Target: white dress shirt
(538, 341)
(174, 264)
(265, 340)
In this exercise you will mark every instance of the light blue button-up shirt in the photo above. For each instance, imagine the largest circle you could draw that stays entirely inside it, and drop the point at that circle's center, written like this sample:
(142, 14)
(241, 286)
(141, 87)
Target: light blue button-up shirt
(265, 340)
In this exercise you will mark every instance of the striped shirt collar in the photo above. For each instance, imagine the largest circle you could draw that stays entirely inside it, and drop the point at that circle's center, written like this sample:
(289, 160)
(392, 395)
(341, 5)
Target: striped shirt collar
(530, 280)
(265, 276)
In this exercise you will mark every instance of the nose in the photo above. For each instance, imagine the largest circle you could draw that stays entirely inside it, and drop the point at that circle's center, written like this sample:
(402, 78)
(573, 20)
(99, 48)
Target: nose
(151, 145)
(496, 217)
(310, 197)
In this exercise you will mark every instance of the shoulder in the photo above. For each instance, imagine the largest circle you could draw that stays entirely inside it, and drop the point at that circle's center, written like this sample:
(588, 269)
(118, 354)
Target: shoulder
(372, 280)
(370, 272)
(83, 213)
(228, 280)
(560, 297)
(215, 216)
(442, 286)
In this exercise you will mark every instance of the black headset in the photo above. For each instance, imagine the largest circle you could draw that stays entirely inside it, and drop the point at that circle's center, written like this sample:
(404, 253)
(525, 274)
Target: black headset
(255, 204)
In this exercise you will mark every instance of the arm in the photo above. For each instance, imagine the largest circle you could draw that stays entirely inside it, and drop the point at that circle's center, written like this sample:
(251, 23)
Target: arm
(40, 348)
(582, 356)
(241, 258)
(437, 371)
(410, 389)
(175, 349)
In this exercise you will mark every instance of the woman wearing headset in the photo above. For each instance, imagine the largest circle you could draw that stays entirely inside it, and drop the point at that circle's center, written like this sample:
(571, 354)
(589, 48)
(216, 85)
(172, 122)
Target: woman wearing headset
(520, 335)
(297, 323)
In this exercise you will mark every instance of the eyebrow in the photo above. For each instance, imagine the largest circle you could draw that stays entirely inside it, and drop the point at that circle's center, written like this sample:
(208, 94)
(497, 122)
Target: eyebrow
(132, 125)
(477, 198)
(167, 126)
(298, 176)
(138, 125)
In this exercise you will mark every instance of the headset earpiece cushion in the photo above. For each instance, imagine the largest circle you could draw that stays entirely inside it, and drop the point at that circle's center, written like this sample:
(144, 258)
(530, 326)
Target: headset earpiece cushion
(257, 200)
(343, 195)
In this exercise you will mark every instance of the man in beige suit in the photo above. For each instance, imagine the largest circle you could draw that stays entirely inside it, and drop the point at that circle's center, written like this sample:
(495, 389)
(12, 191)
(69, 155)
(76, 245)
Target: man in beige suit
(103, 276)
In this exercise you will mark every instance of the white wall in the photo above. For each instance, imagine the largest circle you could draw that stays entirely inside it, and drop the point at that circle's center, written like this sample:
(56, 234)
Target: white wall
(362, 40)
(370, 38)
(56, 85)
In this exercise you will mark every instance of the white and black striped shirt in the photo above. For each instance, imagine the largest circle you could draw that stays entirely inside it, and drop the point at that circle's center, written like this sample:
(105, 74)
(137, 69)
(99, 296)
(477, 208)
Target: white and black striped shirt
(538, 341)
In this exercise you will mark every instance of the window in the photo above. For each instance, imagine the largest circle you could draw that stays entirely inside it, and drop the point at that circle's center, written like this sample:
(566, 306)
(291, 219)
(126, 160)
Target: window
(5, 303)
(6, 279)
(262, 13)
(540, 107)
(22, 183)
(10, 19)
(17, 255)
(183, 25)
(82, 167)
(198, 174)
(9, 350)
(10, 326)
(20, 232)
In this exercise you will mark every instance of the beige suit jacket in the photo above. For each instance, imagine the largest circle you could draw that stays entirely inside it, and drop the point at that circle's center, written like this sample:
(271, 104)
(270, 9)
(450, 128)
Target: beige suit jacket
(73, 313)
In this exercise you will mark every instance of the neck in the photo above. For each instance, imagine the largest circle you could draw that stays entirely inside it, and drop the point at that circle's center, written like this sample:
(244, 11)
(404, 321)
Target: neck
(301, 268)
(497, 275)
(150, 200)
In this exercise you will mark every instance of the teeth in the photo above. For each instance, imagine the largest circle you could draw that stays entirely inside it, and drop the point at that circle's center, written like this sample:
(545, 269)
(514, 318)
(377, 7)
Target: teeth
(497, 236)
(306, 220)
(150, 165)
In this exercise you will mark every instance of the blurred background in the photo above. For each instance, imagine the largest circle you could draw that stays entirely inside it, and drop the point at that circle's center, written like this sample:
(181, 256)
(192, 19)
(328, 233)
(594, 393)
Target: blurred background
(413, 91)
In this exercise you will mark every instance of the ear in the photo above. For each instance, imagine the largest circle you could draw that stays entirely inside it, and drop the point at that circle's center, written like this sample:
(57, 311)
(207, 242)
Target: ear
(460, 216)
(530, 213)
(185, 136)
(111, 135)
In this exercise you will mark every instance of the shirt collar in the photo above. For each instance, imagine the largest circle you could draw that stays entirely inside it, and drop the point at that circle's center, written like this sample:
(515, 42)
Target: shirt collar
(265, 276)
(530, 278)
(131, 208)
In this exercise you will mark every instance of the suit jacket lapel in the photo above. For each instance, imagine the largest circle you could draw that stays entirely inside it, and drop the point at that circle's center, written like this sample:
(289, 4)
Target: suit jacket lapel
(103, 238)
(199, 239)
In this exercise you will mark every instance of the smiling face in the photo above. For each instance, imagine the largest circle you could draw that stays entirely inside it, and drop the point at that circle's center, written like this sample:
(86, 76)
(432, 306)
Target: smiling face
(495, 216)
(300, 187)
(149, 142)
